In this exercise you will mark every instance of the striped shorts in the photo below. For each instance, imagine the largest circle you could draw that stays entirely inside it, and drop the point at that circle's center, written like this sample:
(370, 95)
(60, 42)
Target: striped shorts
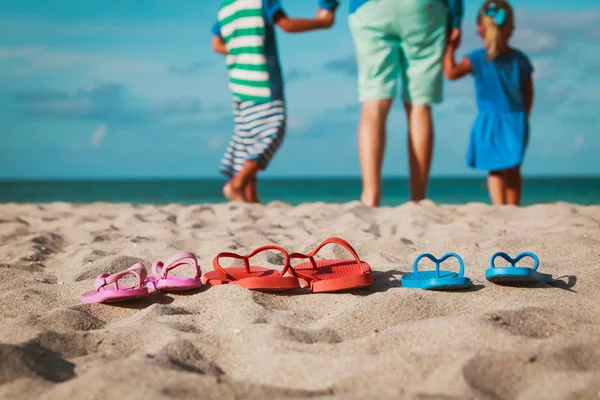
(258, 133)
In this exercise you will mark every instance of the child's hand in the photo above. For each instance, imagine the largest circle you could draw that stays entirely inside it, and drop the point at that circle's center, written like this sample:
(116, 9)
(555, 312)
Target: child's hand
(326, 18)
(452, 45)
(218, 45)
(455, 38)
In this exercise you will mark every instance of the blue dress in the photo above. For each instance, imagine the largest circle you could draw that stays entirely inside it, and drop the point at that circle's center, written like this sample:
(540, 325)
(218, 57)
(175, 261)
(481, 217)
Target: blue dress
(501, 131)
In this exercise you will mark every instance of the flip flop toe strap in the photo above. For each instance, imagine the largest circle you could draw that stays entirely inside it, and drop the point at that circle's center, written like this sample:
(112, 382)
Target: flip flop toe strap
(161, 269)
(311, 255)
(246, 258)
(437, 262)
(513, 261)
(106, 279)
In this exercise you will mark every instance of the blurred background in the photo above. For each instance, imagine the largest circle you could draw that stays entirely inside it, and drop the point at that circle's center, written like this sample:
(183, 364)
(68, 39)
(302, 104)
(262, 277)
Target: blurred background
(124, 101)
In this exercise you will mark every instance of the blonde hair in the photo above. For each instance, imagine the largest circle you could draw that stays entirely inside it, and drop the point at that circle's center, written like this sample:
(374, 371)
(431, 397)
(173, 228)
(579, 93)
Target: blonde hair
(495, 36)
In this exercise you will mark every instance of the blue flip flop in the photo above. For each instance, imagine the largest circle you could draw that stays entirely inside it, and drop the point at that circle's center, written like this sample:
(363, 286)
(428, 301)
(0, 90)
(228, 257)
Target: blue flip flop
(514, 274)
(438, 279)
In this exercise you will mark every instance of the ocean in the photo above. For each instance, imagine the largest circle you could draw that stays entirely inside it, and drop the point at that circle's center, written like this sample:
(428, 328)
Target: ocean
(292, 191)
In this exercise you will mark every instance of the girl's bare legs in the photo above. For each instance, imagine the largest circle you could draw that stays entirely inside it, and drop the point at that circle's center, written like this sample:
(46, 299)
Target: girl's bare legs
(497, 187)
(420, 148)
(371, 147)
(235, 189)
(251, 191)
(514, 186)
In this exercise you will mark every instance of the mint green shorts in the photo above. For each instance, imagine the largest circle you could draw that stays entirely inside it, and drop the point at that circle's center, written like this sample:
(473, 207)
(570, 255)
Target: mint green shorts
(404, 38)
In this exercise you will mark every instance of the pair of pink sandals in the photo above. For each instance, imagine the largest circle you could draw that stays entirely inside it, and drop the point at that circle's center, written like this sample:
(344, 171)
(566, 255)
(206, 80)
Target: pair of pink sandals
(162, 281)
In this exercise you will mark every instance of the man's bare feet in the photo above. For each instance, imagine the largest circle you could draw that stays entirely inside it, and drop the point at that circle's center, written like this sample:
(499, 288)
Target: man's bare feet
(369, 201)
(234, 194)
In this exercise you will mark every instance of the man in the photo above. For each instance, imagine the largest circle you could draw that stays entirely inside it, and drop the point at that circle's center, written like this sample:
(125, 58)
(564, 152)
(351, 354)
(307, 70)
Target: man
(403, 38)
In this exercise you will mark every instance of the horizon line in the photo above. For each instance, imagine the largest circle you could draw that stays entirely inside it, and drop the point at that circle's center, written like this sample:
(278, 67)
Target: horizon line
(269, 178)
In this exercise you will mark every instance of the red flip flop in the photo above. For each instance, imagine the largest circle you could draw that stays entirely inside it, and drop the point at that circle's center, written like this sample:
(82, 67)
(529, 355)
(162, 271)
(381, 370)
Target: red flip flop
(332, 275)
(252, 277)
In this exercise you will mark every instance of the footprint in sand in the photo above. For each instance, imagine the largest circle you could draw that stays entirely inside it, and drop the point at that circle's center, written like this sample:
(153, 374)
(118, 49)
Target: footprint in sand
(498, 377)
(533, 322)
(108, 265)
(270, 302)
(48, 244)
(182, 355)
(164, 309)
(513, 376)
(67, 318)
(323, 335)
(186, 328)
(33, 361)
(578, 357)
(42, 247)
(67, 345)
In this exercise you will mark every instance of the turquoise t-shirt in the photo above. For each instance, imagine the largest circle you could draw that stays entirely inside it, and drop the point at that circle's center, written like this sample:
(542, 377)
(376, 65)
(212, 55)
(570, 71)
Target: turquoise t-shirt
(455, 8)
(328, 4)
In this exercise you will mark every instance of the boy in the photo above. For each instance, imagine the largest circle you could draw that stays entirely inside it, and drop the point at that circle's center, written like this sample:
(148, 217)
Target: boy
(245, 33)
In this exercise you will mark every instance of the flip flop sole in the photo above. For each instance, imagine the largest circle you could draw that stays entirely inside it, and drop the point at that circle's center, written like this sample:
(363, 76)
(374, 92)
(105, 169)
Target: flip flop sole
(112, 296)
(342, 284)
(438, 284)
(275, 284)
(259, 282)
(178, 284)
(334, 275)
(447, 280)
(213, 278)
(516, 275)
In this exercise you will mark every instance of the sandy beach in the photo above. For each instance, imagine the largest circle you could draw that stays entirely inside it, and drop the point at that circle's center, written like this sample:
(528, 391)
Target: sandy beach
(492, 342)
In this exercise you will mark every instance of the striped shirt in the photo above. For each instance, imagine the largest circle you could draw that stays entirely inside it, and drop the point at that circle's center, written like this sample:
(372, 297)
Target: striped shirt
(246, 27)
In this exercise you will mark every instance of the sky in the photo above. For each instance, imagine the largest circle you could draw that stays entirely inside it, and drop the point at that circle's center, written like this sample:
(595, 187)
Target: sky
(131, 89)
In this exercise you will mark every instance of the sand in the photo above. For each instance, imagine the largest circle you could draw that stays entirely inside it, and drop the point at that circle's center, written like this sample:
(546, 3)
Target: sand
(494, 342)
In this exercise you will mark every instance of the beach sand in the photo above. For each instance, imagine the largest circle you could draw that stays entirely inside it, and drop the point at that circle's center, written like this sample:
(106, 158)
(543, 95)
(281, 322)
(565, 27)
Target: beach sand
(493, 342)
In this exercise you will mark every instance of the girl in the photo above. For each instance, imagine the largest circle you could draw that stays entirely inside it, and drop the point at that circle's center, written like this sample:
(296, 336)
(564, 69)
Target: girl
(504, 98)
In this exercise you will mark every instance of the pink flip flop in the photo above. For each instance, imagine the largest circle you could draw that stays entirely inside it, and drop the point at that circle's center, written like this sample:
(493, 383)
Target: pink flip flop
(162, 281)
(105, 294)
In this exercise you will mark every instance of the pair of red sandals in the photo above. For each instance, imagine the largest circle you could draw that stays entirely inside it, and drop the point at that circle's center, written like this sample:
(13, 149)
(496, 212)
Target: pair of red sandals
(317, 275)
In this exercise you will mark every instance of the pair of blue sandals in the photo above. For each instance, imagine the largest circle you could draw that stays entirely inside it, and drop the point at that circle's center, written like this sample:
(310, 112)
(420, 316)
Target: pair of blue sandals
(448, 280)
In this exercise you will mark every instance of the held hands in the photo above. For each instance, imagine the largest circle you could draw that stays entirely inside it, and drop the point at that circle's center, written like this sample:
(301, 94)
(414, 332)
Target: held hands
(325, 18)
(454, 39)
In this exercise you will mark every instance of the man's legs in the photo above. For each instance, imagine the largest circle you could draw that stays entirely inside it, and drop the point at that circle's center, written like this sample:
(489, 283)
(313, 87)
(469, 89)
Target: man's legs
(371, 147)
(420, 148)
(378, 59)
(422, 27)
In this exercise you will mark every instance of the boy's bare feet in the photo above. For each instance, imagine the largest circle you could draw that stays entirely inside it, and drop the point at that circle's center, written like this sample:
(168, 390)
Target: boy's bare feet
(233, 194)
(237, 187)
(251, 192)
